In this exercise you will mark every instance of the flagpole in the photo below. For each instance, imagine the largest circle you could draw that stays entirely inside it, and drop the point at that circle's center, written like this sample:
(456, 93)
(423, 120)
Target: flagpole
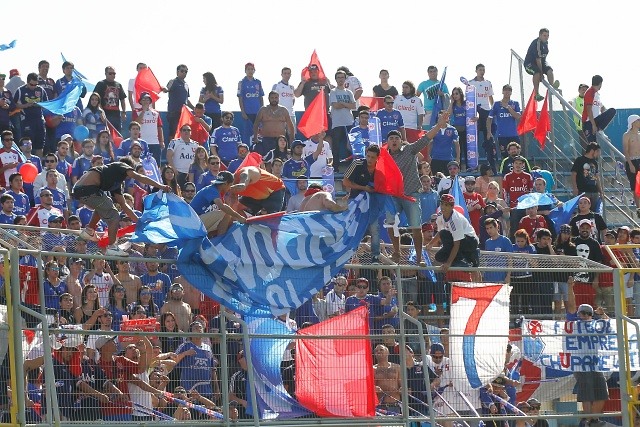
(451, 408)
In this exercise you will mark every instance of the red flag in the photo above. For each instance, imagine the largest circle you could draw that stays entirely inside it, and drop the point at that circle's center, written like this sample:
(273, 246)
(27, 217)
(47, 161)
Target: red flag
(252, 159)
(529, 119)
(637, 192)
(314, 119)
(198, 133)
(544, 123)
(334, 377)
(104, 241)
(146, 81)
(414, 134)
(388, 177)
(373, 102)
(115, 135)
(306, 75)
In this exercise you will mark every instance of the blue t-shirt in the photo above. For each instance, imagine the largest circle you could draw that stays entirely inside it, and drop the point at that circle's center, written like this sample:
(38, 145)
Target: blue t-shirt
(211, 105)
(505, 123)
(178, 95)
(93, 122)
(528, 249)
(65, 168)
(7, 219)
(125, 147)
(373, 302)
(501, 244)
(26, 95)
(442, 147)
(205, 179)
(195, 371)
(203, 201)
(428, 204)
(226, 141)
(50, 240)
(80, 166)
(389, 120)
(52, 294)
(68, 123)
(84, 214)
(251, 92)
(234, 165)
(21, 205)
(459, 115)
(59, 199)
(159, 285)
(36, 161)
(292, 169)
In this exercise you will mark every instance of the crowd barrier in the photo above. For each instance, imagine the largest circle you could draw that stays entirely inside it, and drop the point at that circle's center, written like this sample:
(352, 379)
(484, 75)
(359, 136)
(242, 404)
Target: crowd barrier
(29, 331)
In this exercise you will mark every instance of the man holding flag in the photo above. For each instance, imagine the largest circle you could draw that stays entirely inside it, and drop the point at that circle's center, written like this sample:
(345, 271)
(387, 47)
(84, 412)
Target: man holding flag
(432, 89)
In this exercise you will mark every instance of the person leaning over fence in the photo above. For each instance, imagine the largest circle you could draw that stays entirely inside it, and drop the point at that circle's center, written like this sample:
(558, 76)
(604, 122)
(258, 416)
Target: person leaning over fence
(591, 386)
(99, 187)
(209, 204)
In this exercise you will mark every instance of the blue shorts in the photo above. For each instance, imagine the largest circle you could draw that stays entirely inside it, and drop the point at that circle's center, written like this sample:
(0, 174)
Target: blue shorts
(412, 210)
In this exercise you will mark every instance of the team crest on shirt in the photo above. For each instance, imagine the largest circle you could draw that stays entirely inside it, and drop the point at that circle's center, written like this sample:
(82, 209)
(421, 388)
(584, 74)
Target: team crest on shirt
(448, 132)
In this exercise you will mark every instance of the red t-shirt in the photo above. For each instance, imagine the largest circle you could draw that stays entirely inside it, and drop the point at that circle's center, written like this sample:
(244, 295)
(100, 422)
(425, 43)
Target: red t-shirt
(589, 96)
(531, 225)
(474, 199)
(515, 185)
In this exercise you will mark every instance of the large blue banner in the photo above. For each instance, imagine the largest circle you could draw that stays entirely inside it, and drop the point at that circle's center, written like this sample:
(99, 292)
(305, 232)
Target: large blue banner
(472, 126)
(66, 101)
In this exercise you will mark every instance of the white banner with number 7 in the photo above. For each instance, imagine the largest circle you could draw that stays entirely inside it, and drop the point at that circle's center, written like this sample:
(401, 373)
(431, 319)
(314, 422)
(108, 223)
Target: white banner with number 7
(479, 329)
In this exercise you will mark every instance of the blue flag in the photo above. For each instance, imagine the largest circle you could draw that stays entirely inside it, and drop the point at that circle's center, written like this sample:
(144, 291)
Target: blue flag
(273, 401)
(456, 192)
(66, 101)
(8, 46)
(430, 274)
(439, 104)
(264, 268)
(562, 214)
(77, 74)
(151, 168)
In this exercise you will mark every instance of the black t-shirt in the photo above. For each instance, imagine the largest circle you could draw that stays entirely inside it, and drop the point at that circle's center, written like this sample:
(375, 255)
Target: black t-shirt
(112, 176)
(111, 94)
(586, 170)
(589, 249)
(311, 88)
(596, 220)
(381, 93)
(358, 173)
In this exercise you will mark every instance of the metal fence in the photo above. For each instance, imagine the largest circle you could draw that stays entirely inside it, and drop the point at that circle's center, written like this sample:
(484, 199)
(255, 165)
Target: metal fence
(422, 318)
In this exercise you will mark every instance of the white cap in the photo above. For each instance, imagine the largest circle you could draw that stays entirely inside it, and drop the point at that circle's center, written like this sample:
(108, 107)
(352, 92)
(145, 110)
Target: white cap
(631, 119)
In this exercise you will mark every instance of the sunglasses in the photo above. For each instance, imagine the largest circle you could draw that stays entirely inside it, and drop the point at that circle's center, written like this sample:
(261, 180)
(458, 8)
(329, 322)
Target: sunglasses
(362, 286)
(586, 313)
(189, 191)
(214, 163)
(49, 161)
(119, 289)
(112, 73)
(46, 195)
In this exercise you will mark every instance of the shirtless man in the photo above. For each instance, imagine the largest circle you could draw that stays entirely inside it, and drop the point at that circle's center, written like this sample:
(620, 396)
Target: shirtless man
(176, 305)
(387, 379)
(131, 282)
(315, 199)
(259, 191)
(631, 150)
(275, 121)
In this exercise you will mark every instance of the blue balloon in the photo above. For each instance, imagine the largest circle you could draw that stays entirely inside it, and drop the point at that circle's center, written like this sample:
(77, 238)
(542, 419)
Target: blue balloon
(81, 133)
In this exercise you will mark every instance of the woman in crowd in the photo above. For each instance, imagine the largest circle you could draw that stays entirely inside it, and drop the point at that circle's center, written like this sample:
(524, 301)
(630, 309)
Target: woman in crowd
(493, 195)
(458, 114)
(94, 117)
(280, 152)
(200, 164)
(169, 178)
(212, 96)
(483, 181)
(104, 147)
(145, 299)
(87, 314)
(117, 305)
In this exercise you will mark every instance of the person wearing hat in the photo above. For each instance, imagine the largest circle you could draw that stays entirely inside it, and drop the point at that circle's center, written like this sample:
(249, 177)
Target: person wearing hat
(99, 188)
(446, 183)
(313, 81)
(208, 203)
(595, 117)
(585, 211)
(631, 151)
(458, 238)
(150, 124)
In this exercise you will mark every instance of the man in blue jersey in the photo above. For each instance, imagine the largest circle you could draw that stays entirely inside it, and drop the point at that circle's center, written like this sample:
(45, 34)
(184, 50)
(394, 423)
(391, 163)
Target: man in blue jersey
(209, 204)
(134, 136)
(507, 114)
(67, 77)
(250, 98)
(83, 162)
(497, 243)
(178, 96)
(6, 215)
(21, 204)
(32, 124)
(445, 146)
(209, 176)
(243, 150)
(225, 139)
(390, 119)
(431, 89)
(535, 62)
(59, 198)
(197, 365)
(298, 165)
(374, 303)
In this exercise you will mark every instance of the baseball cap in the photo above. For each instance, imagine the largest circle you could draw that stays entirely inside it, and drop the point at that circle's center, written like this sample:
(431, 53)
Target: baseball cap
(436, 347)
(469, 178)
(66, 340)
(427, 226)
(224, 177)
(54, 217)
(585, 307)
(447, 198)
(534, 403)
(630, 120)
(313, 67)
(176, 286)
(584, 221)
(491, 205)
(77, 260)
(25, 142)
(518, 157)
(144, 95)
(65, 137)
(14, 72)
(523, 406)
(100, 342)
(295, 143)
(453, 163)
(611, 233)
(565, 228)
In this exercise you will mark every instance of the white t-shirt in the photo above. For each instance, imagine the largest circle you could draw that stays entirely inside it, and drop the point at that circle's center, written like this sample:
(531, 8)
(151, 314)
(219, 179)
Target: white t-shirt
(335, 303)
(102, 283)
(484, 90)
(316, 167)
(410, 108)
(139, 396)
(149, 127)
(353, 83)
(287, 98)
(458, 225)
(183, 154)
(132, 88)
(445, 184)
(596, 108)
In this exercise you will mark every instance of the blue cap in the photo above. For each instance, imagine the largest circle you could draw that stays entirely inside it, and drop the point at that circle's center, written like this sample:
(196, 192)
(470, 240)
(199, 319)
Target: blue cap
(436, 347)
(296, 143)
(54, 217)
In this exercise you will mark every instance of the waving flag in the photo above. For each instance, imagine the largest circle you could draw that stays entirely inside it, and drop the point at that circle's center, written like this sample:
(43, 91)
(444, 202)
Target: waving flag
(104, 240)
(167, 219)
(456, 192)
(374, 103)
(252, 159)
(77, 74)
(562, 214)
(544, 123)
(388, 178)
(314, 120)
(115, 135)
(334, 377)
(273, 401)
(414, 134)
(151, 168)
(66, 101)
(8, 46)
(264, 268)
(479, 332)
(198, 133)
(439, 104)
(146, 81)
(529, 119)
(530, 200)
(306, 75)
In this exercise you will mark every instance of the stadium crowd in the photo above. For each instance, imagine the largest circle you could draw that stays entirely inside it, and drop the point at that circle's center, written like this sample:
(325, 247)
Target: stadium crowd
(119, 378)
